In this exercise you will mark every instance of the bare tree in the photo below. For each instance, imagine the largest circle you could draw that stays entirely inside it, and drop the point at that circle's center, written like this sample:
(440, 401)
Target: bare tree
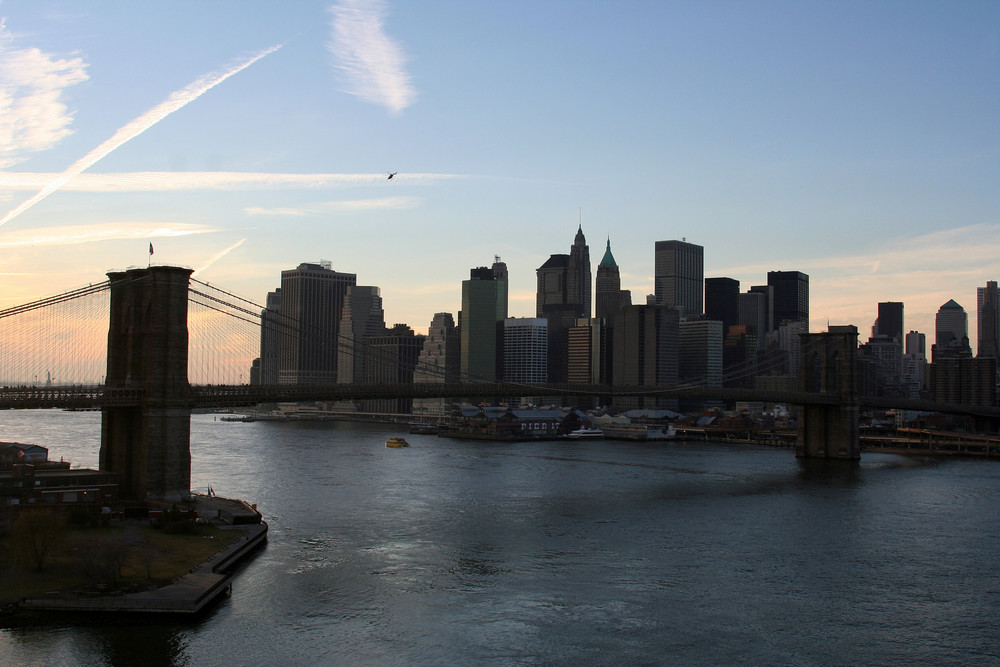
(35, 534)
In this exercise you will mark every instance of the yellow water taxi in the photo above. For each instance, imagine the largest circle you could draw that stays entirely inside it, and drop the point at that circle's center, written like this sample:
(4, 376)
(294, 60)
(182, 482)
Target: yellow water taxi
(396, 442)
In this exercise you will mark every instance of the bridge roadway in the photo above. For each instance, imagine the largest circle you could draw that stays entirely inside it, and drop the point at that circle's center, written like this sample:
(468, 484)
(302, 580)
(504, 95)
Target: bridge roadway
(94, 397)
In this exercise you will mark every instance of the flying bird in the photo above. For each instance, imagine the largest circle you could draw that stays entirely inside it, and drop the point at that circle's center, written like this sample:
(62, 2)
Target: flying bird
(391, 174)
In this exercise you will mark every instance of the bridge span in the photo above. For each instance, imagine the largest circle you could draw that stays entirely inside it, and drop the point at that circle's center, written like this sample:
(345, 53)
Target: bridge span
(146, 399)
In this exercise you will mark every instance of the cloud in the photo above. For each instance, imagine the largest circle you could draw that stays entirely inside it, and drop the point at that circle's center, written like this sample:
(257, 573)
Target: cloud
(71, 235)
(397, 203)
(177, 100)
(33, 115)
(167, 181)
(373, 65)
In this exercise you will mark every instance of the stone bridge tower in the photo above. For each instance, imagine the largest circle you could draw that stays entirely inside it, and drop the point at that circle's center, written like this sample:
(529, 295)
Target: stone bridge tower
(829, 367)
(146, 428)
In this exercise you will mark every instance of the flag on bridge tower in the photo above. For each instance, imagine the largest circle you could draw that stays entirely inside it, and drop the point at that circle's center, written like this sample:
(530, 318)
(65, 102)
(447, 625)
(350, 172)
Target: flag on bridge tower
(150, 248)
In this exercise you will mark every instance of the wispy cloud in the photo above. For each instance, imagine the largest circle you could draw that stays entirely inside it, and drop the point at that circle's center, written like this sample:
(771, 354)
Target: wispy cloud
(397, 203)
(176, 101)
(219, 255)
(72, 235)
(33, 115)
(373, 65)
(166, 181)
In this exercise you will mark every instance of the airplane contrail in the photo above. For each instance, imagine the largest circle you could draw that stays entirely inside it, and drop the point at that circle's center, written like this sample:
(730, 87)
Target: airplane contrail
(176, 101)
(219, 255)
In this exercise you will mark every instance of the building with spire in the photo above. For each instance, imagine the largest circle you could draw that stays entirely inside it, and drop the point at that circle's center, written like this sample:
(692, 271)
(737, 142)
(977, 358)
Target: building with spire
(562, 297)
(608, 294)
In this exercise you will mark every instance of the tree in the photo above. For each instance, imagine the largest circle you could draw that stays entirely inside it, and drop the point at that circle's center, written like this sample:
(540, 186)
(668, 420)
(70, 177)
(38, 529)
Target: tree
(35, 534)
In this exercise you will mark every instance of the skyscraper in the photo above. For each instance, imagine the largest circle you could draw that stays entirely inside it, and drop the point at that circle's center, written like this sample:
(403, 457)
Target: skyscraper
(791, 297)
(270, 337)
(525, 349)
(563, 282)
(484, 308)
(988, 324)
(362, 318)
(608, 293)
(579, 278)
(722, 301)
(890, 321)
(679, 276)
(951, 332)
(562, 296)
(312, 298)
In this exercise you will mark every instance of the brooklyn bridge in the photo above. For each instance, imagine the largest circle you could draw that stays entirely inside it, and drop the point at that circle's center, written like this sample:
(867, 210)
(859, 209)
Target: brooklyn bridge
(148, 346)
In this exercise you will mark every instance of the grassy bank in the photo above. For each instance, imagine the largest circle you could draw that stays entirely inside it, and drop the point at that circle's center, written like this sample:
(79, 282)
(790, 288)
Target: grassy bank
(80, 560)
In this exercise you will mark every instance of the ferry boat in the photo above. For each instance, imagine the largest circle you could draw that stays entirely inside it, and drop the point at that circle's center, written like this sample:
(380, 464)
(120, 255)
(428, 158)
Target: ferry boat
(639, 432)
(585, 434)
(396, 442)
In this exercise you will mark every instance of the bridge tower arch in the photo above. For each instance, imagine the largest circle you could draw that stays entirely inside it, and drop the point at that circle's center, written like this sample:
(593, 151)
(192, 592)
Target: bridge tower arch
(828, 367)
(146, 430)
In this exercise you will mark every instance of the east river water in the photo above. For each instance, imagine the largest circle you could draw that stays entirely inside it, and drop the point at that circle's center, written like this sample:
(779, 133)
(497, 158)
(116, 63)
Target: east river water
(456, 552)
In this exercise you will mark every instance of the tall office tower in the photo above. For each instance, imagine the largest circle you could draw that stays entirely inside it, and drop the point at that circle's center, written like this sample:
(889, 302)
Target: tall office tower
(525, 349)
(988, 325)
(439, 358)
(645, 350)
(312, 298)
(390, 358)
(791, 297)
(739, 356)
(608, 293)
(788, 339)
(563, 282)
(890, 321)
(579, 278)
(700, 353)
(722, 301)
(563, 295)
(484, 308)
(500, 273)
(361, 319)
(270, 336)
(752, 312)
(679, 276)
(768, 293)
(951, 332)
(587, 359)
(916, 343)
(438, 362)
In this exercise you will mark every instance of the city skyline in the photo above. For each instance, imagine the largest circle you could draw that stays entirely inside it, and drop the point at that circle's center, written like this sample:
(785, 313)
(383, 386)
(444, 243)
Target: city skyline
(857, 144)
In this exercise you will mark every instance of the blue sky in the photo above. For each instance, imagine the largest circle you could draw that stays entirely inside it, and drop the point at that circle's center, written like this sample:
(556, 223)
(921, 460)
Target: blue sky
(858, 142)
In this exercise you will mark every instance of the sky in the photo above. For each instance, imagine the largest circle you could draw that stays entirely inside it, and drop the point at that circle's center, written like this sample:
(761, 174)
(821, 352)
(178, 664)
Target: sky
(858, 142)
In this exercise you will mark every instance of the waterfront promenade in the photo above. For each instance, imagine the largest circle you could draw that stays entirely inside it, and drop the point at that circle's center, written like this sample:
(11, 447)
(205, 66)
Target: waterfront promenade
(190, 593)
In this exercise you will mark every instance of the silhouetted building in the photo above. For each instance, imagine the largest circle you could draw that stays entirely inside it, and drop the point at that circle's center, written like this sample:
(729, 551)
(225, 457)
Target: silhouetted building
(484, 308)
(791, 297)
(362, 319)
(562, 296)
(890, 321)
(964, 380)
(645, 351)
(390, 358)
(270, 339)
(679, 275)
(988, 324)
(700, 353)
(767, 293)
(608, 292)
(722, 301)
(312, 298)
(951, 332)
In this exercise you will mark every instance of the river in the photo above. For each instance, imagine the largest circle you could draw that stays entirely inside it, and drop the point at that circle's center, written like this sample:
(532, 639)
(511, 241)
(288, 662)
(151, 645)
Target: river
(555, 553)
